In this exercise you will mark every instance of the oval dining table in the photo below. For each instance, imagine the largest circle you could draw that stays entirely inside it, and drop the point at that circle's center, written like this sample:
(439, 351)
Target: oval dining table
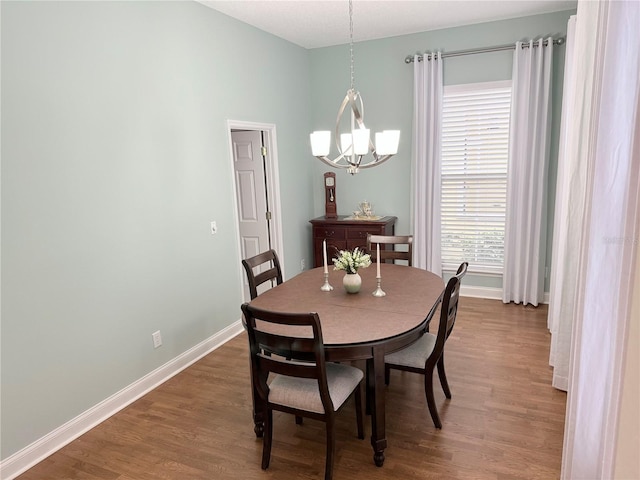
(361, 326)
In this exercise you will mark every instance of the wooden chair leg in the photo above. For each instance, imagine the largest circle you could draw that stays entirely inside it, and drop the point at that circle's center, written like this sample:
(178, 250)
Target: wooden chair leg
(258, 426)
(431, 401)
(268, 435)
(387, 374)
(443, 377)
(331, 448)
(359, 419)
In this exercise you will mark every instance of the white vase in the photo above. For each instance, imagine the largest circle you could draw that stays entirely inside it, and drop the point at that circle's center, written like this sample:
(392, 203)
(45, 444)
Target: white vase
(352, 282)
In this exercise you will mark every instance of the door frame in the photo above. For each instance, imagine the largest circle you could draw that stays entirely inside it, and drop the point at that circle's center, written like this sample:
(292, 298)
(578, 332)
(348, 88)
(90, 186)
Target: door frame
(272, 184)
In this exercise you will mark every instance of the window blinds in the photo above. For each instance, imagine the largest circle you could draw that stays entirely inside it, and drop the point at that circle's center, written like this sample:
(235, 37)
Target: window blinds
(475, 144)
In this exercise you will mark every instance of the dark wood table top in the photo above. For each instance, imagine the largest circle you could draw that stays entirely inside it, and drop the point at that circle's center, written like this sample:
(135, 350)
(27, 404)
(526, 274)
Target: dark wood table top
(351, 319)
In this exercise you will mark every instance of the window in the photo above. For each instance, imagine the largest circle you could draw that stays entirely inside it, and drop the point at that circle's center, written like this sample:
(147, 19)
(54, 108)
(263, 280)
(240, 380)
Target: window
(475, 144)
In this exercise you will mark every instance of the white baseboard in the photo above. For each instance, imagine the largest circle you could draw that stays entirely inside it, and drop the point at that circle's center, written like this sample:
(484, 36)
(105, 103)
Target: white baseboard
(480, 292)
(26, 458)
(491, 293)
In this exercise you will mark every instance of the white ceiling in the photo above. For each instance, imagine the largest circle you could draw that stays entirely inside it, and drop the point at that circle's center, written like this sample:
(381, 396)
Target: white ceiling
(320, 23)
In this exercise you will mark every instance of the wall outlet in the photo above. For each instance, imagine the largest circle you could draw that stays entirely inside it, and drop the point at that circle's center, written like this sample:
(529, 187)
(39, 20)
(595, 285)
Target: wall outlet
(303, 265)
(157, 339)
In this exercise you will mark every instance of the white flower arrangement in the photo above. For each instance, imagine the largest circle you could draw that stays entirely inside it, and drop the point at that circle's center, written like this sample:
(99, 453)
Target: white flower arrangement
(350, 261)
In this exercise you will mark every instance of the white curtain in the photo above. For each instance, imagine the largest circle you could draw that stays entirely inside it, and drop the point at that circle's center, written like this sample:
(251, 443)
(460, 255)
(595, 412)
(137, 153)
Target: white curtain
(427, 139)
(609, 129)
(530, 126)
(569, 207)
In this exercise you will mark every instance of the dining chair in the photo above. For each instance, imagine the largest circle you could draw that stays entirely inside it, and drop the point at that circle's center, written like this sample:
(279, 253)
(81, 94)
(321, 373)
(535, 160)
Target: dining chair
(427, 352)
(273, 273)
(301, 382)
(392, 241)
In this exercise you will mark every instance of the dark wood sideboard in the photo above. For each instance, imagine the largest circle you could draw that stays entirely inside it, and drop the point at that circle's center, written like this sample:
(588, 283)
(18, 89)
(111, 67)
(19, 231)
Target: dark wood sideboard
(344, 234)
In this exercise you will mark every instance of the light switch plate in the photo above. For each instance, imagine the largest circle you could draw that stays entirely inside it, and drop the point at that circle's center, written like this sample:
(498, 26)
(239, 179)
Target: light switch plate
(157, 339)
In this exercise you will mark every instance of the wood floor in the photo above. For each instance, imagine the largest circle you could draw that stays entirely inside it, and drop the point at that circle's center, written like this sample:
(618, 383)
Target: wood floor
(505, 421)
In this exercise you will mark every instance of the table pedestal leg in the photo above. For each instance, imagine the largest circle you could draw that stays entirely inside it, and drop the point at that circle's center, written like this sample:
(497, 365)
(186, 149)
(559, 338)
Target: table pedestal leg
(375, 388)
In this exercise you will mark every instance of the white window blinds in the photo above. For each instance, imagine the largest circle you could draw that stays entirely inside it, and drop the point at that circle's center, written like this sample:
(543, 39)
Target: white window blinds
(475, 144)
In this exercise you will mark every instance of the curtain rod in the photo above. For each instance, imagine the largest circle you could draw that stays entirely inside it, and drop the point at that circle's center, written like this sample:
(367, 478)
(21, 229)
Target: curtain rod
(473, 51)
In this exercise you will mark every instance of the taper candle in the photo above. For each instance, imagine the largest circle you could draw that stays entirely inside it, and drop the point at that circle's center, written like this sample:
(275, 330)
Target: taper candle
(378, 259)
(324, 255)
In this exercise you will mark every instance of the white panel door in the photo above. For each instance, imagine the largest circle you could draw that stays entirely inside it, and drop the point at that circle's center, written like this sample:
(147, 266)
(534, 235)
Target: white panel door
(251, 195)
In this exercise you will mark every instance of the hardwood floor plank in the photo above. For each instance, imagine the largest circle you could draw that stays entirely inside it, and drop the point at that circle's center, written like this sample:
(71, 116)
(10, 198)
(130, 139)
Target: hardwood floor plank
(505, 421)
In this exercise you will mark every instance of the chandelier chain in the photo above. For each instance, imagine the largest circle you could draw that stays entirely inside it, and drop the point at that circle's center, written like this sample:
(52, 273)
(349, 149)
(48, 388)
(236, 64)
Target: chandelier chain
(351, 41)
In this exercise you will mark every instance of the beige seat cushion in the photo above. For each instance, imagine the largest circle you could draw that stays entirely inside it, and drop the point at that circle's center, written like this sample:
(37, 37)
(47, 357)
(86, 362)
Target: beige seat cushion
(304, 394)
(415, 355)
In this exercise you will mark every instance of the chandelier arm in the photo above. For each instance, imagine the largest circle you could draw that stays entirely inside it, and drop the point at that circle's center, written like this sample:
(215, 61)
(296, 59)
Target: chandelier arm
(343, 105)
(336, 162)
(357, 114)
(372, 149)
(375, 163)
(333, 163)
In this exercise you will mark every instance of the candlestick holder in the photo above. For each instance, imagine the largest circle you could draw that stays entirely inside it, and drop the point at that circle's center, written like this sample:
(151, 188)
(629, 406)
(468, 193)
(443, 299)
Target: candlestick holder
(378, 292)
(326, 287)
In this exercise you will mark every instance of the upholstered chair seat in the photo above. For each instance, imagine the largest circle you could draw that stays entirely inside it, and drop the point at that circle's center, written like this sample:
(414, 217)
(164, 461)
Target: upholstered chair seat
(303, 393)
(415, 355)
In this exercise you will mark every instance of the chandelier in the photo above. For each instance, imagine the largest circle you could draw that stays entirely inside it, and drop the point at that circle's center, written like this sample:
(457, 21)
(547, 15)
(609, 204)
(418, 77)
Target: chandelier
(354, 145)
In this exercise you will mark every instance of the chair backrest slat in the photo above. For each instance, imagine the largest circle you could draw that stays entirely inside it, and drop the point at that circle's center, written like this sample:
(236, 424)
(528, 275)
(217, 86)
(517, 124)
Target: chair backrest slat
(287, 367)
(391, 254)
(296, 347)
(273, 273)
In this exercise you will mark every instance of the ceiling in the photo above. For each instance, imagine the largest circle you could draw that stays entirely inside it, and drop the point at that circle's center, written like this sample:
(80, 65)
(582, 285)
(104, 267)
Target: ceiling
(321, 23)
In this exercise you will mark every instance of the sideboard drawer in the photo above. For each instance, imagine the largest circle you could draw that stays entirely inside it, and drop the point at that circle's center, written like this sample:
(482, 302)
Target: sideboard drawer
(342, 233)
(361, 233)
(330, 232)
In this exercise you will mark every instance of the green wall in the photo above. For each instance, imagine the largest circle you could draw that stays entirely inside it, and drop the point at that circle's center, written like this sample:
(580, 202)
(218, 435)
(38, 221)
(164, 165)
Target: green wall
(386, 85)
(115, 158)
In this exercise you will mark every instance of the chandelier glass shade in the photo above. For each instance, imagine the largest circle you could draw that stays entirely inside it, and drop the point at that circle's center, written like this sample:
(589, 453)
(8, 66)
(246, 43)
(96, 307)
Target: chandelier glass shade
(354, 145)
